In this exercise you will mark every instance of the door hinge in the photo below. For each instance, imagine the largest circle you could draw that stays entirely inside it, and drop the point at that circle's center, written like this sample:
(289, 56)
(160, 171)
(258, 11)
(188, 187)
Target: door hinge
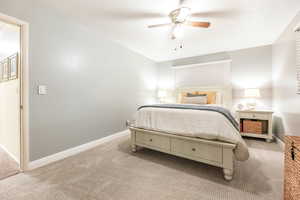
(21, 107)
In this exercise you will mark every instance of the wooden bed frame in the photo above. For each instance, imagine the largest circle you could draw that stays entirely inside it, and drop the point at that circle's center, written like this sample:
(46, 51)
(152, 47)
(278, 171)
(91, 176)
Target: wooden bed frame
(216, 153)
(211, 152)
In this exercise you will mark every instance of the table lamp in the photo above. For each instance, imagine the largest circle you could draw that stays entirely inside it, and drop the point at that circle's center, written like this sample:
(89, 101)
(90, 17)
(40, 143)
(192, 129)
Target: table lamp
(252, 94)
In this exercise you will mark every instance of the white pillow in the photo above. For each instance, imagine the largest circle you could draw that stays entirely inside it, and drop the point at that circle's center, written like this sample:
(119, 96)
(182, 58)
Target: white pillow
(195, 100)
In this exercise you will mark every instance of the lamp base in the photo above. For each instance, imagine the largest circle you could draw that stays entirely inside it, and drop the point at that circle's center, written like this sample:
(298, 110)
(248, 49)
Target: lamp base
(251, 106)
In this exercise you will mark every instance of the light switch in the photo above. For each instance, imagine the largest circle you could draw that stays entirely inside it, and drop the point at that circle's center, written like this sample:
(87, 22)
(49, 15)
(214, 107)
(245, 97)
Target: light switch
(42, 90)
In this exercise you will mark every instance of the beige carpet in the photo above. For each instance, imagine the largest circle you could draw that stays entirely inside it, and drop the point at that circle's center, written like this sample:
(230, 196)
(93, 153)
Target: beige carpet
(8, 166)
(111, 171)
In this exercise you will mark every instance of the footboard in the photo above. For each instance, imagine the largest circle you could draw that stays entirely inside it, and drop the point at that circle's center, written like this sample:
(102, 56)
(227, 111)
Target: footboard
(214, 153)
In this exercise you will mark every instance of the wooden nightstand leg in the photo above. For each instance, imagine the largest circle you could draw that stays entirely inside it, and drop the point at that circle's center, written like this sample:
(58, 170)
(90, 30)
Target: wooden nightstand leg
(269, 140)
(133, 148)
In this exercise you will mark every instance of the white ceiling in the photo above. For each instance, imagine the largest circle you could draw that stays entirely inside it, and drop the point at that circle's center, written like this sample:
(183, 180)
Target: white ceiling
(236, 24)
(9, 39)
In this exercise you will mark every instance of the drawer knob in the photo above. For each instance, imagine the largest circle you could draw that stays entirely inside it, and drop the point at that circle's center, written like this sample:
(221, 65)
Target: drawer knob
(150, 140)
(193, 149)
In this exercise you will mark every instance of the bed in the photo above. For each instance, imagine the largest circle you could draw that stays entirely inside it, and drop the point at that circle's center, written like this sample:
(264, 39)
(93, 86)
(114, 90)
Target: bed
(204, 133)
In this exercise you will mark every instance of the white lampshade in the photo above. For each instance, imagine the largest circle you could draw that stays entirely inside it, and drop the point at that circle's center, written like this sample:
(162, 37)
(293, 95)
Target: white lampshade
(252, 93)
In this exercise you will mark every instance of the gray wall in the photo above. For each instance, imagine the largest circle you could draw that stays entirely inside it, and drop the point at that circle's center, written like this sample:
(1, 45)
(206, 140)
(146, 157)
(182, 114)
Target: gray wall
(286, 101)
(94, 85)
(250, 68)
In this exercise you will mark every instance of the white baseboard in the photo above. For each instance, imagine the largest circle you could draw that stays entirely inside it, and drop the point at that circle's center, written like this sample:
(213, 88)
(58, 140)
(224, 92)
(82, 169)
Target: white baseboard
(10, 154)
(73, 151)
(280, 143)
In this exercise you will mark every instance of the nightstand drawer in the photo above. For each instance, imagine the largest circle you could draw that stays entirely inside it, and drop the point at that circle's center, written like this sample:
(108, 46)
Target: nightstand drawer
(254, 116)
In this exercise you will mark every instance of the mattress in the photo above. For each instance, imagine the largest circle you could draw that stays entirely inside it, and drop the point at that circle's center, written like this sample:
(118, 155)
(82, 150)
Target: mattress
(204, 124)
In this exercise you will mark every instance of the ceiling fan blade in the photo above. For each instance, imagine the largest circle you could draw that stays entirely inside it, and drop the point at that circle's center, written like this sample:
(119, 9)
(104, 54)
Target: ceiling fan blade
(197, 24)
(159, 25)
(129, 15)
(216, 13)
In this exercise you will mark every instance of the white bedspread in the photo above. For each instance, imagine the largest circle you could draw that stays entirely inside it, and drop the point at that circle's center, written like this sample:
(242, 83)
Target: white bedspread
(195, 123)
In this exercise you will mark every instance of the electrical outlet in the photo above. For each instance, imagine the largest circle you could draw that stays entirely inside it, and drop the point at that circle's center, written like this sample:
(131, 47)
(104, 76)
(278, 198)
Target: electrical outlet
(42, 90)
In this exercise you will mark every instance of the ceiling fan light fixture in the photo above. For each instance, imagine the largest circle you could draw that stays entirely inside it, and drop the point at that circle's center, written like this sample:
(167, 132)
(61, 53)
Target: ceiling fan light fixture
(180, 17)
(183, 14)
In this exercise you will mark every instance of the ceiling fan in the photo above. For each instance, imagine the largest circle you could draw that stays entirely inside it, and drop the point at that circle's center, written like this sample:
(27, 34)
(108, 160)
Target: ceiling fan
(180, 17)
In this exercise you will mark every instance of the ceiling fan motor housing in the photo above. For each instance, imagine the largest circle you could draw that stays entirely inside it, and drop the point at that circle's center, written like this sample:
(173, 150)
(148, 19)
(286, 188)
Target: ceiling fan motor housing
(180, 15)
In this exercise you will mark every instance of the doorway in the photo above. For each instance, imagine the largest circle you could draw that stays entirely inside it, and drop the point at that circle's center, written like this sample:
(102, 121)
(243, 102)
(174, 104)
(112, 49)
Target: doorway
(10, 131)
(14, 82)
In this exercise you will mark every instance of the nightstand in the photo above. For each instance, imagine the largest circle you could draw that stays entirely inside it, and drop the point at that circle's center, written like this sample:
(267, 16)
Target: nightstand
(264, 117)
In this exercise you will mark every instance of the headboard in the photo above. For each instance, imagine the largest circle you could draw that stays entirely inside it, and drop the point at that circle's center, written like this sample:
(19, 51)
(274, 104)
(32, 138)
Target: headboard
(223, 94)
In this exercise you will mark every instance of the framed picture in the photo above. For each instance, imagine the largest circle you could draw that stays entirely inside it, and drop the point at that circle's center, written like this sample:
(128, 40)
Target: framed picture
(298, 62)
(1, 71)
(298, 79)
(13, 66)
(5, 70)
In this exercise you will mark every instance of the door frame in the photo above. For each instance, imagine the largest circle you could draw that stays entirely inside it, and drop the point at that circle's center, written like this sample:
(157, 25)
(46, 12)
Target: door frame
(24, 88)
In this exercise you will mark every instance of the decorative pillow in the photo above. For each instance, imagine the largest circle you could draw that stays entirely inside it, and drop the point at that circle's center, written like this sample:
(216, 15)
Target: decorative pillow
(195, 95)
(195, 100)
(211, 96)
